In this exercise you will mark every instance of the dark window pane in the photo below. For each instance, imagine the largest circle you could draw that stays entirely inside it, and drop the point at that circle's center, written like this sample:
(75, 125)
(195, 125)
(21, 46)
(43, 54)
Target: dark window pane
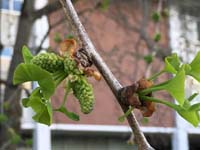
(194, 141)
(4, 4)
(17, 5)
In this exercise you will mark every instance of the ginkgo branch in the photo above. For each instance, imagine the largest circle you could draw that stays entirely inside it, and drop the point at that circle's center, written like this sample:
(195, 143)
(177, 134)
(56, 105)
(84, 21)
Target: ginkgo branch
(112, 82)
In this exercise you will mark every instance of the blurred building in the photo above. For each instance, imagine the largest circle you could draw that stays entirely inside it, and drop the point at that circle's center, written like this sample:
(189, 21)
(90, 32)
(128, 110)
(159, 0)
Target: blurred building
(114, 34)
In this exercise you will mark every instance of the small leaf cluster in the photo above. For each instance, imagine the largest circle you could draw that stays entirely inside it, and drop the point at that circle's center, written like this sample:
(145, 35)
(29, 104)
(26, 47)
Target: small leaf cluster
(104, 4)
(176, 87)
(156, 17)
(49, 70)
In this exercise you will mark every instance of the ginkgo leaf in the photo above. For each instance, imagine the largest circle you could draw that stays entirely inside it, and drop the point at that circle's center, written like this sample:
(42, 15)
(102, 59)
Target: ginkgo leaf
(195, 67)
(195, 107)
(25, 102)
(174, 86)
(190, 115)
(27, 56)
(44, 113)
(172, 63)
(69, 114)
(41, 107)
(193, 96)
(31, 72)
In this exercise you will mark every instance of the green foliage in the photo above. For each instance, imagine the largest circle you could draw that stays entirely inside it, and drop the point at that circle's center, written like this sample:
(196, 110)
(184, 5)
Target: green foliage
(148, 59)
(6, 105)
(62, 108)
(26, 54)
(69, 36)
(14, 137)
(145, 120)
(76, 82)
(155, 16)
(191, 116)
(172, 64)
(3, 118)
(40, 105)
(195, 67)
(123, 117)
(70, 115)
(31, 72)
(57, 38)
(105, 4)
(49, 70)
(176, 87)
(192, 96)
(157, 37)
(29, 142)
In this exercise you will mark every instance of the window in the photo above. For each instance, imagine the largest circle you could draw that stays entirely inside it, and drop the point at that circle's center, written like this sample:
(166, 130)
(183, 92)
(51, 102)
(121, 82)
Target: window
(7, 52)
(17, 5)
(11, 5)
(4, 4)
(194, 141)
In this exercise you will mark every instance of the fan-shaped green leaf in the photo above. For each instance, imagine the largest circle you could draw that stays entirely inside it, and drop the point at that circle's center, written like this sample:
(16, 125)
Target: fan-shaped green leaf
(41, 107)
(172, 63)
(31, 72)
(27, 56)
(195, 67)
(175, 87)
(25, 102)
(190, 115)
(70, 115)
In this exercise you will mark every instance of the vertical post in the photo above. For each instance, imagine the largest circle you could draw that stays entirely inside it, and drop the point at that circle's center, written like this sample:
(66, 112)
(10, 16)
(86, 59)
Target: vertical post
(41, 134)
(180, 136)
(42, 137)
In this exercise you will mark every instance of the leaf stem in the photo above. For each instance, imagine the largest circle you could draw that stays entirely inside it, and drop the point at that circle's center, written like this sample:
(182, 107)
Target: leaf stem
(154, 76)
(169, 104)
(154, 88)
(149, 90)
(59, 76)
(122, 118)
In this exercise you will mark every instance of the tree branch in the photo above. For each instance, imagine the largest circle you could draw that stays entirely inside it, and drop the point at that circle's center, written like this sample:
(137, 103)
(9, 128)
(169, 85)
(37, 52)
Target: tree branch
(37, 50)
(112, 82)
(48, 9)
(51, 7)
